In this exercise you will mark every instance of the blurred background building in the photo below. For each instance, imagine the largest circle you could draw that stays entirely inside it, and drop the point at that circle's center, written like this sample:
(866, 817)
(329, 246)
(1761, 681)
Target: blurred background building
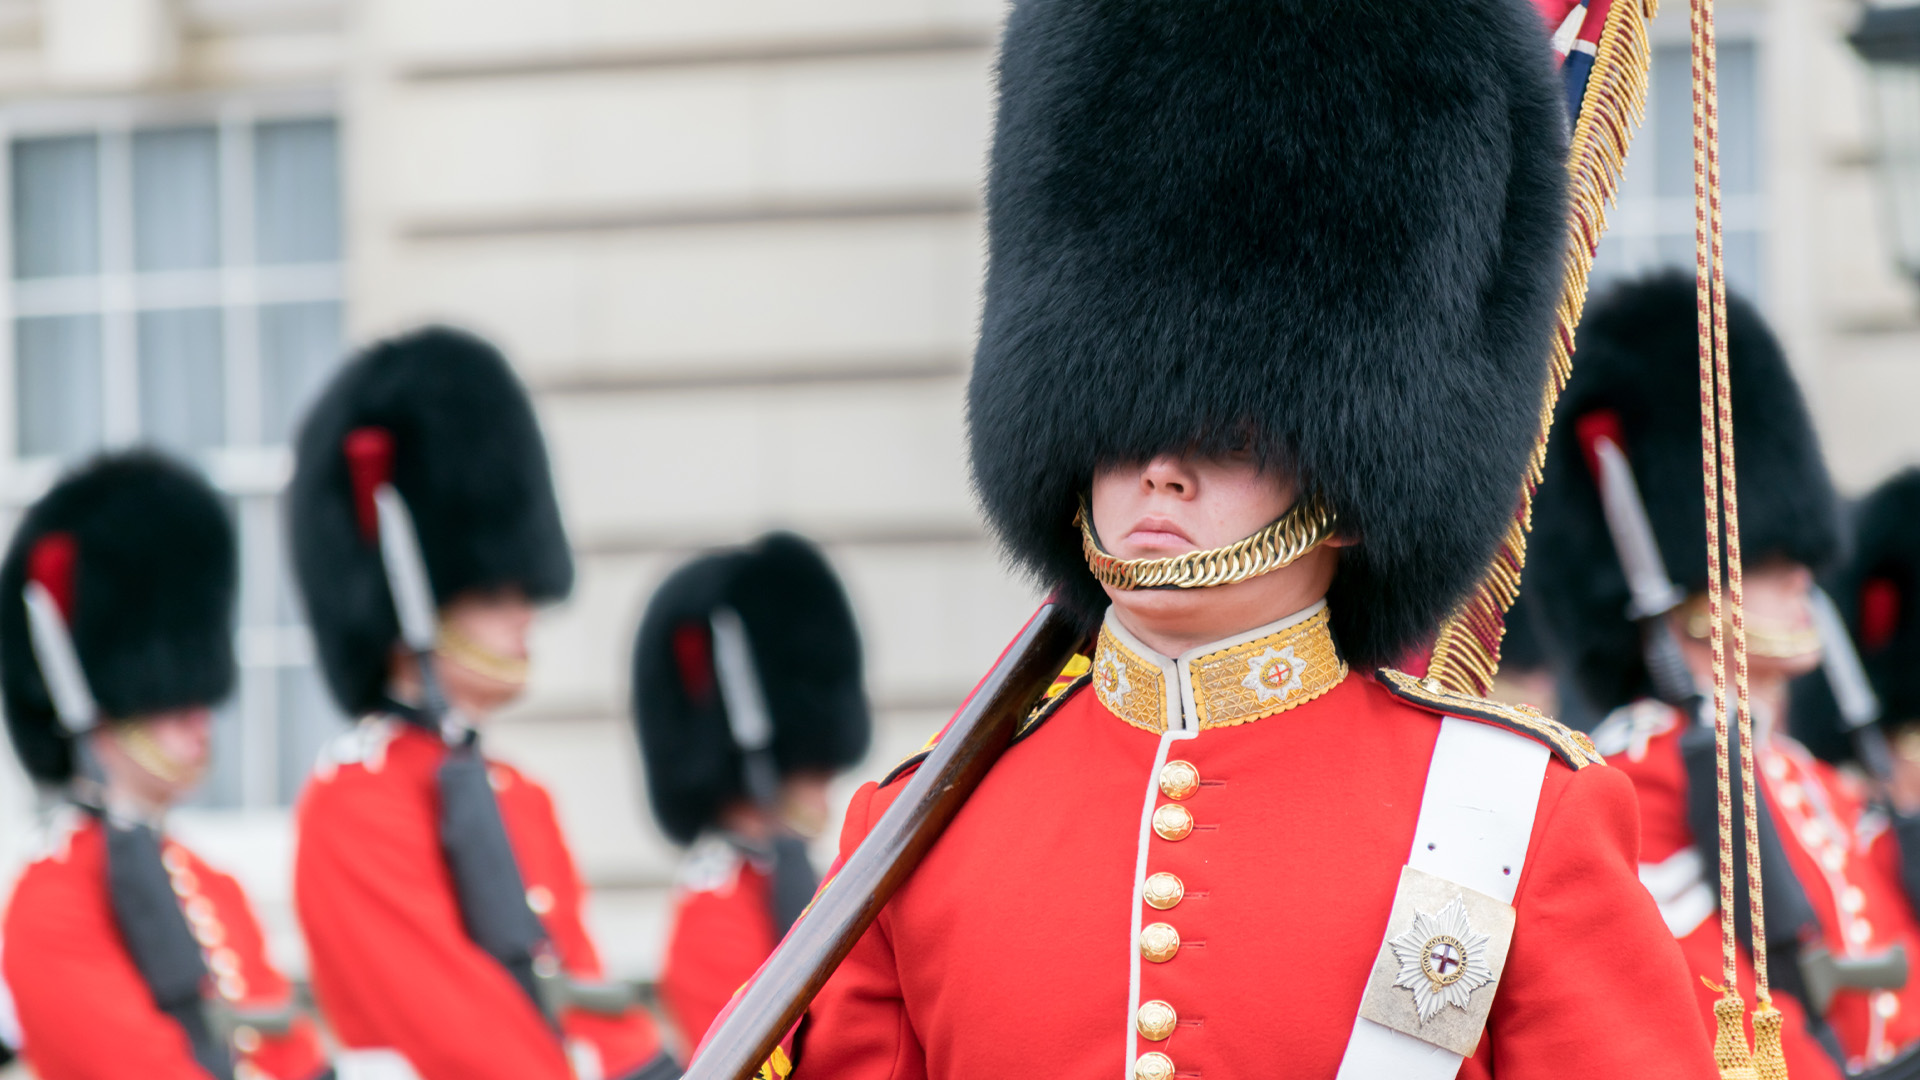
(734, 247)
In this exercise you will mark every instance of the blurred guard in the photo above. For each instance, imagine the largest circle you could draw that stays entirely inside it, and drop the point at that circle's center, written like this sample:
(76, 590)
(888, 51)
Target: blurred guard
(748, 695)
(1267, 320)
(125, 953)
(441, 904)
(1877, 594)
(1836, 917)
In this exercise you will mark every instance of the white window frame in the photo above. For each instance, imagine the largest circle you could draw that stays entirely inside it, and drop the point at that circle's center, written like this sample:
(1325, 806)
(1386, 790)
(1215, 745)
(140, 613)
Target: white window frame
(245, 469)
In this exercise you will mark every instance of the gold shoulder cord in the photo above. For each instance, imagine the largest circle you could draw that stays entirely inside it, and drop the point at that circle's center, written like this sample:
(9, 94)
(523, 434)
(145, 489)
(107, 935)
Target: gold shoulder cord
(1764, 1060)
(1467, 651)
(1292, 535)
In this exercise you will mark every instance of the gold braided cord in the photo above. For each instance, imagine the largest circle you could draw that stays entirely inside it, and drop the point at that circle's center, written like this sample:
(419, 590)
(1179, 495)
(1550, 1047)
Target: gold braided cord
(1293, 534)
(1722, 504)
(1467, 651)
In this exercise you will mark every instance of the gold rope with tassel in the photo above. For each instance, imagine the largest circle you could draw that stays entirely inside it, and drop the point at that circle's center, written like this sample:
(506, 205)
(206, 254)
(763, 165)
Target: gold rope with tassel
(1467, 651)
(1765, 1060)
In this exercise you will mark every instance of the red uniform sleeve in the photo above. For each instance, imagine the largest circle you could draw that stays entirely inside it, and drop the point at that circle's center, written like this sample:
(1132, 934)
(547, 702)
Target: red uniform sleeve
(862, 1005)
(1581, 897)
(721, 936)
(392, 966)
(84, 1011)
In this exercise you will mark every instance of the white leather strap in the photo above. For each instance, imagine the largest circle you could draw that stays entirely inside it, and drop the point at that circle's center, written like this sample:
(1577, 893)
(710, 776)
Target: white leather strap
(1476, 818)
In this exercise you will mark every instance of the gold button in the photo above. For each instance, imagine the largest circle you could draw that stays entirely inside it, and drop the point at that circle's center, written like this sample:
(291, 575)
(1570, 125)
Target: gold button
(1153, 1066)
(1158, 942)
(1179, 779)
(1162, 891)
(210, 934)
(540, 899)
(1172, 821)
(184, 883)
(199, 909)
(173, 859)
(232, 987)
(224, 962)
(1155, 1020)
(246, 1039)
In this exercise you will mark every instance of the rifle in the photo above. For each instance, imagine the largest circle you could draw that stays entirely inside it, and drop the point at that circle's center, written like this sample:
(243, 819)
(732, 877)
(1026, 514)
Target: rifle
(852, 899)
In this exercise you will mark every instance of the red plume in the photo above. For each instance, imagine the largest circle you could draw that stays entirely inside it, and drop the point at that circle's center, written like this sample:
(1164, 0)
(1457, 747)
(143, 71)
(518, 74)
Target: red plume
(369, 464)
(693, 655)
(50, 564)
(1879, 613)
(1591, 428)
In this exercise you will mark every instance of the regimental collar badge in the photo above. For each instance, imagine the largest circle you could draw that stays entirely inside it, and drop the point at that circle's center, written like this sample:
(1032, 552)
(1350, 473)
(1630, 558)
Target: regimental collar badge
(1236, 681)
(1442, 960)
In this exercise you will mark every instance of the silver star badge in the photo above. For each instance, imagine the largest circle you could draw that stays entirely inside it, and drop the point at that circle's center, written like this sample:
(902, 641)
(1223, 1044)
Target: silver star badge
(1441, 960)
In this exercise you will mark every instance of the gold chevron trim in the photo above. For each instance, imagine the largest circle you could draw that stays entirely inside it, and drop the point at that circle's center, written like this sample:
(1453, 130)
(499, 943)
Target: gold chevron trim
(1466, 654)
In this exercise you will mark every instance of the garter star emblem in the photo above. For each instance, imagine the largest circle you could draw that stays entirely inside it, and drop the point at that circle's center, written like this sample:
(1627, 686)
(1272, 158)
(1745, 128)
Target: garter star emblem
(1441, 960)
(1274, 673)
(1110, 675)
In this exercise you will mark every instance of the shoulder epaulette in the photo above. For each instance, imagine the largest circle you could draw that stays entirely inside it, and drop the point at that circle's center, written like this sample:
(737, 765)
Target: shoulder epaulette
(1572, 747)
(1065, 685)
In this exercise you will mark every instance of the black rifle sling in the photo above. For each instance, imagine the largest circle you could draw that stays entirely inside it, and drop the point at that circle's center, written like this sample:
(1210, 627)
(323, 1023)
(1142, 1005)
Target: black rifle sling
(157, 937)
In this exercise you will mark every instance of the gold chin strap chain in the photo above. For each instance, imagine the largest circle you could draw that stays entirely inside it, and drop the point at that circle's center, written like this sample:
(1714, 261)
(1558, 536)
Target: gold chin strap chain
(1293, 534)
(460, 649)
(1763, 1060)
(1772, 640)
(145, 751)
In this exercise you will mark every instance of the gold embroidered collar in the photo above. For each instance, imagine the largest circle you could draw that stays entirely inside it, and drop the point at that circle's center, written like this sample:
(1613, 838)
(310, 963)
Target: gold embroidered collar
(1235, 681)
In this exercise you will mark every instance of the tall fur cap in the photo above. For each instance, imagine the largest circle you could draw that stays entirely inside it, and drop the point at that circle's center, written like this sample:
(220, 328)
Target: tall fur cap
(1637, 355)
(1877, 590)
(152, 599)
(470, 463)
(806, 650)
(1335, 226)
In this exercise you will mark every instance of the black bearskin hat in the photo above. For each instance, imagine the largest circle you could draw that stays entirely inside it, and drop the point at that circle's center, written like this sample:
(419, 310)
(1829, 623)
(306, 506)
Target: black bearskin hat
(1637, 358)
(1527, 645)
(468, 459)
(1877, 590)
(1335, 228)
(806, 650)
(140, 553)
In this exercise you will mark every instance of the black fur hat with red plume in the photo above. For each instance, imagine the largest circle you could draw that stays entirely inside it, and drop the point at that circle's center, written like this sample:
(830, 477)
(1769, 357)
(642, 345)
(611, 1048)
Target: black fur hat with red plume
(440, 415)
(138, 553)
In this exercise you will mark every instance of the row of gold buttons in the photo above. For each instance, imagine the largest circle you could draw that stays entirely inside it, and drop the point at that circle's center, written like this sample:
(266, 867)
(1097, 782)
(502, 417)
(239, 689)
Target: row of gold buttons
(205, 924)
(1159, 942)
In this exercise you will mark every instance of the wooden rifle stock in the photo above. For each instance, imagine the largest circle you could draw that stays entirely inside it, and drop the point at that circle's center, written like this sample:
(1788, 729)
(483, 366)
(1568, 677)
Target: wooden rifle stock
(849, 903)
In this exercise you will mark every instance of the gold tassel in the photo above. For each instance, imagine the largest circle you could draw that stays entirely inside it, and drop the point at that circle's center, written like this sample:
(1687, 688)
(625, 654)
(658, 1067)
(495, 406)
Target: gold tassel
(1730, 1050)
(1769, 1060)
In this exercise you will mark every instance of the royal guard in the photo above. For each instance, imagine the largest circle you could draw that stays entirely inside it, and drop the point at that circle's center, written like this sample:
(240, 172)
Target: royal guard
(748, 697)
(442, 908)
(1876, 594)
(1268, 317)
(126, 954)
(1620, 570)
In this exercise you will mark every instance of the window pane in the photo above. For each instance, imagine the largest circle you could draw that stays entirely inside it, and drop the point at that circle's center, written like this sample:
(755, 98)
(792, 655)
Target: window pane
(176, 199)
(1672, 120)
(56, 206)
(307, 720)
(56, 388)
(299, 344)
(296, 192)
(182, 379)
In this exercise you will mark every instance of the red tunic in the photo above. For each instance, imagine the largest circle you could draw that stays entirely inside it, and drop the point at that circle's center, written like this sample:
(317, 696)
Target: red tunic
(722, 932)
(1010, 950)
(1844, 855)
(84, 1011)
(392, 965)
